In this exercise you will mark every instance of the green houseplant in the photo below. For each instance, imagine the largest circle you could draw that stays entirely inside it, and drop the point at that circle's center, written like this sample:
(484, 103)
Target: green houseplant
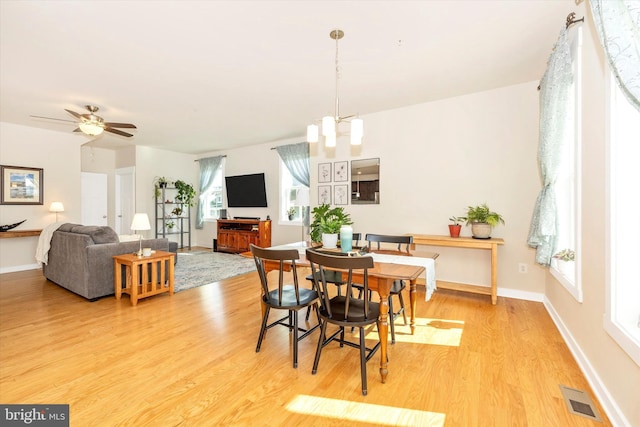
(328, 220)
(482, 220)
(454, 229)
(186, 193)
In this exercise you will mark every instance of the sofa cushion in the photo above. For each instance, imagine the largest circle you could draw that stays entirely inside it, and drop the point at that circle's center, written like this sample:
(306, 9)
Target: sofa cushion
(98, 233)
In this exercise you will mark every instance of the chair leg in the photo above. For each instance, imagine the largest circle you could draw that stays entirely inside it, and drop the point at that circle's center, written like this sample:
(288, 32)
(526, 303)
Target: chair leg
(295, 337)
(308, 312)
(392, 318)
(316, 360)
(363, 362)
(263, 328)
(404, 312)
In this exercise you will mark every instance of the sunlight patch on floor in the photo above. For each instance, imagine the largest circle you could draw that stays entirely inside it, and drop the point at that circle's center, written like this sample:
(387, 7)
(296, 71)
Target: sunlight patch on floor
(428, 331)
(363, 412)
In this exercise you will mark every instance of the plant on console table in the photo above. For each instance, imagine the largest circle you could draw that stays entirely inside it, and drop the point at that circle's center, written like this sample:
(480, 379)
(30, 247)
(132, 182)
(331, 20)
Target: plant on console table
(326, 224)
(454, 229)
(482, 220)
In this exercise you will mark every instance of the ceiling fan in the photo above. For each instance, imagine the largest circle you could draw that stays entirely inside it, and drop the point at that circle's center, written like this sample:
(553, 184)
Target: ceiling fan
(92, 124)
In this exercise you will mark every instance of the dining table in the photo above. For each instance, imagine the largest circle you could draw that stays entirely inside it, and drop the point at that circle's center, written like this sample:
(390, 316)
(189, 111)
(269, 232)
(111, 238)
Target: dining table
(381, 278)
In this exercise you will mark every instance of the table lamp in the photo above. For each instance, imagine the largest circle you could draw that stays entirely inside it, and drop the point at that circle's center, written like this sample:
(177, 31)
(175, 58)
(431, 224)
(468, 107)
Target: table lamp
(140, 222)
(56, 207)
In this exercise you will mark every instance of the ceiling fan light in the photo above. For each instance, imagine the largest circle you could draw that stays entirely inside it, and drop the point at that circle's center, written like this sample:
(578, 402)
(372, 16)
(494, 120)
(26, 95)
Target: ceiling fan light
(91, 128)
(330, 141)
(357, 128)
(312, 133)
(328, 126)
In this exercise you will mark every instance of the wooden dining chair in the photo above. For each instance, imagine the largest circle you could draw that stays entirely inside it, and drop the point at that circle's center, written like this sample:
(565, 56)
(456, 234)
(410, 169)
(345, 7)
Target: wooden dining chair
(403, 244)
(281, 296)
(344, 311)
(335, 277)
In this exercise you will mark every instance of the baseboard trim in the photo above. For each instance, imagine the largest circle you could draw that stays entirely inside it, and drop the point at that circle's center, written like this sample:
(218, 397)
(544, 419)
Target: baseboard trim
(19, 268)
(609, 405)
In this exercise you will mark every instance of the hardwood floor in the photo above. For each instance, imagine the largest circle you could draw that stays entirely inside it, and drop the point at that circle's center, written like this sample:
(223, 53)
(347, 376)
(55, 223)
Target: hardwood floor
(189, 359)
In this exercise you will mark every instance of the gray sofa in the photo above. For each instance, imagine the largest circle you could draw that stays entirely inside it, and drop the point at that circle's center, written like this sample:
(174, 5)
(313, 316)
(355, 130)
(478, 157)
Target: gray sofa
(81, 258)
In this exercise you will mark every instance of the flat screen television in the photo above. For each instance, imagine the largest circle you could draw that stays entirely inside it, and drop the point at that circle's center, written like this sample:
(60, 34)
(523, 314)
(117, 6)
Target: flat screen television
(246, 191)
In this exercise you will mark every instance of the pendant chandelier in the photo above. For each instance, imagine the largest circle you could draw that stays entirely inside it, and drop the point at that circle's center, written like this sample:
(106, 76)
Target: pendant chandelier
(330, 124)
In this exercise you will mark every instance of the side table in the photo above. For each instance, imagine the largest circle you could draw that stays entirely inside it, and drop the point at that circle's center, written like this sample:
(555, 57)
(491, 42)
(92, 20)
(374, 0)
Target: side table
(144, 275)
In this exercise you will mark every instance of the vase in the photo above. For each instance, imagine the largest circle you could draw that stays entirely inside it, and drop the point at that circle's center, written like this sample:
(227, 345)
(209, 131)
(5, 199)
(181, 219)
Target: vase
(481, 230)
(329, 241)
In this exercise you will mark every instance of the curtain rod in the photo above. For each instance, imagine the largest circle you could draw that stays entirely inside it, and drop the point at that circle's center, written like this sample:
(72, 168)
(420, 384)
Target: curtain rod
(197, 160)
(571, 19)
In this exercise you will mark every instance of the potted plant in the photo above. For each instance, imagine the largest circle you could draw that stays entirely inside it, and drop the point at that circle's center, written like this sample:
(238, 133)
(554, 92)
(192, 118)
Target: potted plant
(291, 212)
(482, 220)
(186, 194)
(454, 229)
(326, 224)
(158, 183)
(564, 262)
(177, 211)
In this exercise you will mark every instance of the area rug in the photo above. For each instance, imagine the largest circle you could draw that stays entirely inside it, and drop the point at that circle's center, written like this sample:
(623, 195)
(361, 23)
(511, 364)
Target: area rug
(201, 268)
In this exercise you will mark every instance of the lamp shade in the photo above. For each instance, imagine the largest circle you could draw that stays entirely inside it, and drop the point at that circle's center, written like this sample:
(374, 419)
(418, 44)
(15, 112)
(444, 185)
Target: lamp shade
(140, 222)
(91, 128)
(328, 126)
(56, 207)
(330, 141)
(312, 133)
(357, 129)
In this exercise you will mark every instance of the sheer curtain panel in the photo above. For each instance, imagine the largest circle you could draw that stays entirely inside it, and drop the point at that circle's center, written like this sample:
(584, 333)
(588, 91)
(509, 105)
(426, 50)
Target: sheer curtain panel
(208, 169)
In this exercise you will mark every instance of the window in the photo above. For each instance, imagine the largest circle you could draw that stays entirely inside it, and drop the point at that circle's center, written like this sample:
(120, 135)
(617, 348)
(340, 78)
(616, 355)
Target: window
(622, 320)
(565, 265)
(293, 196)
(214, 198)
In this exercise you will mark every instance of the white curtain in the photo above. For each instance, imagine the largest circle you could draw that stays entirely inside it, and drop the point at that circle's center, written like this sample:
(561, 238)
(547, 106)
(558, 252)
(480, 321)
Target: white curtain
(555, 90)
(208, 169)
(296, 158)
(618, 25)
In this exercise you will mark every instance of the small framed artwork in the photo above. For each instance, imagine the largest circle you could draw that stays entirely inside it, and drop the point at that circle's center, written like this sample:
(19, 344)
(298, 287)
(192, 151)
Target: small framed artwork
(341, 171)
(324, 172)
(324, 194)
(341, 194)
(21, 186)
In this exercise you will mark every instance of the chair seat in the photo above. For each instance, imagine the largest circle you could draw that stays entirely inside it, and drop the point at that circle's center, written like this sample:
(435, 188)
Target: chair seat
(356, 312)
(334, 277)
(307, 296)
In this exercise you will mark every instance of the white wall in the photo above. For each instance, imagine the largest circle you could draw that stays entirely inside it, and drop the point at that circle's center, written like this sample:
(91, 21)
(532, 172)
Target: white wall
(58, 154)
(614, 375)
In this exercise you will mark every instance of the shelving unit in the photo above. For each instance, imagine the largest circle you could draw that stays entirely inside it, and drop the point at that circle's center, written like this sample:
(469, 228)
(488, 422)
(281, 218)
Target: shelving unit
(165, 204)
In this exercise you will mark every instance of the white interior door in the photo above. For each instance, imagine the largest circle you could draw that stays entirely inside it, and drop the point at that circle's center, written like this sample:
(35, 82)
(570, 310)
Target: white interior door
(125, 199)
(94, 198)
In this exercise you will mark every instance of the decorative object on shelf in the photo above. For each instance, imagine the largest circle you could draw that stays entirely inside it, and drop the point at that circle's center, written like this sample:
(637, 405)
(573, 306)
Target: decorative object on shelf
(454, 229)
(158, 183)
(177, 211)
(140, 222)
(330, 125)
(186, 193)
(565, 262)
(291, 213)
(482, 220)
(326, 224)
(565, 255)
(56, 207)
(170, 225)
(10, 226)
(21, 186)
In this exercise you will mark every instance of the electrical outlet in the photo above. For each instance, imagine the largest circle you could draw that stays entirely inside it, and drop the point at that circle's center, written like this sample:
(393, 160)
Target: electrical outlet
(522, 267)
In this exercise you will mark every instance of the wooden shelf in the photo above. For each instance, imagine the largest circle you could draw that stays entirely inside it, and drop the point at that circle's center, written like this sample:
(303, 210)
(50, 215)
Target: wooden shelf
(19, 233)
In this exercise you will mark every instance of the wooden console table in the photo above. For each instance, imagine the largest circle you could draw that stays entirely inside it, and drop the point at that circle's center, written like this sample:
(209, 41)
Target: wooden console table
(19, 233)
(137, 269)
(470, 243)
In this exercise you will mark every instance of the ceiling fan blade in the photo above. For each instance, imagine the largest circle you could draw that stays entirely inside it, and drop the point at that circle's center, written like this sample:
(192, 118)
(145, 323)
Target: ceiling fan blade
(73, 113)
(51, 118)
(121, 125)
(116, 131)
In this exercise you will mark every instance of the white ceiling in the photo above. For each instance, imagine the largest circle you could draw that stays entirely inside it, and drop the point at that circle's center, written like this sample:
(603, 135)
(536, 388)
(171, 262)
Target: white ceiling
(199, 76)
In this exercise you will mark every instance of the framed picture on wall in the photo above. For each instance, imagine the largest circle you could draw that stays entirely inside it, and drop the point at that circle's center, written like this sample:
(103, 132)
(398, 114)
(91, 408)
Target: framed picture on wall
(341, 194)
(341, 171)
(21, 185)
(324, 194)
(324, 172)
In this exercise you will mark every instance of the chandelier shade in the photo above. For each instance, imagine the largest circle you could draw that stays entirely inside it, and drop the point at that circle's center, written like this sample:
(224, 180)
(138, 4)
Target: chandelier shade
(331, 125)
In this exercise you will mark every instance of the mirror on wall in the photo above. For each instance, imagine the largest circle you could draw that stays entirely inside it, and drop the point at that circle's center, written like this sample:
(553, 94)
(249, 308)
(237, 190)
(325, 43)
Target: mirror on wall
(365, 182)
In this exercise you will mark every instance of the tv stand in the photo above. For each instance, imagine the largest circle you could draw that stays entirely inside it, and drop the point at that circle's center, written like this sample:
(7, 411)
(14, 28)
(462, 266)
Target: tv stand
(235, 235)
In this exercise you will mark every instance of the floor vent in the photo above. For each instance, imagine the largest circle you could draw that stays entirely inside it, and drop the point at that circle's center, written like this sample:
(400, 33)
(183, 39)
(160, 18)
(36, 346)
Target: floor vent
(579, 403)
